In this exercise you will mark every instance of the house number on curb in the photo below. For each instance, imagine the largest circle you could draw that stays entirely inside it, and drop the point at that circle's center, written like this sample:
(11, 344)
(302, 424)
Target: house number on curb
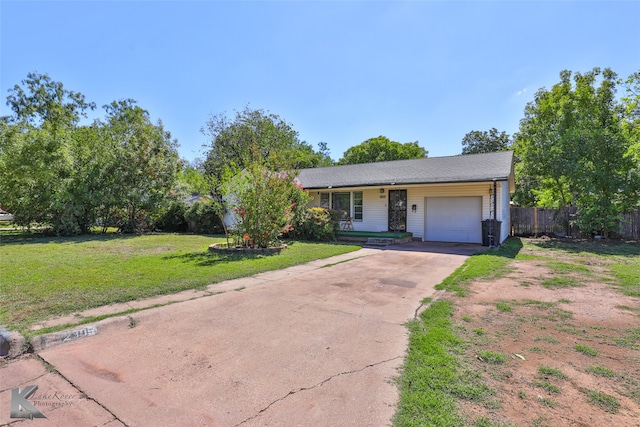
(53, 339)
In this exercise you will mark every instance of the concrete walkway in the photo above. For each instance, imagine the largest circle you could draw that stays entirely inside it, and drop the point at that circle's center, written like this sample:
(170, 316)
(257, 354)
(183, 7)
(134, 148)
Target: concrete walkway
(316, 344)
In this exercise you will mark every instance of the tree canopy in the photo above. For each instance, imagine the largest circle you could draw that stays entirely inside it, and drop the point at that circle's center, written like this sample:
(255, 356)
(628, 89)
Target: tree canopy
(257, 134)
(476, 142)
(576, 146)
(45, 102)
(382, 149)
(631, 124)
(70, 177)
(145, 161)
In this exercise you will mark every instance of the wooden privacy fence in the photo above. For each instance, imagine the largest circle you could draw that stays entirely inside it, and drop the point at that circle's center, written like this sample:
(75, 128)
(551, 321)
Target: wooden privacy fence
(539, 221)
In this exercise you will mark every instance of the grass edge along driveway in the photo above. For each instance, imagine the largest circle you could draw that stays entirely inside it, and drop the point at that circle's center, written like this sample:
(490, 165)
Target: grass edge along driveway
(47, 277)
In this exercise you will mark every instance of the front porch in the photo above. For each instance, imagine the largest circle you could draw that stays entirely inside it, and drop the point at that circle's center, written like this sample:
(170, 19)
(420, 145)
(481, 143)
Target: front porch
(376, 238)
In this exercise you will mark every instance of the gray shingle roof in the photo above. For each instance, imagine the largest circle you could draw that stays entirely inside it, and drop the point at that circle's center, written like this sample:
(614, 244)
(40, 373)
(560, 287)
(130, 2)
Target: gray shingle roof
(432, 170)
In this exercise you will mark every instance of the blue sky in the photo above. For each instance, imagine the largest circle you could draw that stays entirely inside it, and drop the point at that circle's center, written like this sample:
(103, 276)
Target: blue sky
(339, 71)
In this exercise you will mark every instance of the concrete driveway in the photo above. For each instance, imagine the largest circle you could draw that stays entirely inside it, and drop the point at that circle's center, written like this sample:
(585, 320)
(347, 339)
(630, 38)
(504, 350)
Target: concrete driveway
(312, 345)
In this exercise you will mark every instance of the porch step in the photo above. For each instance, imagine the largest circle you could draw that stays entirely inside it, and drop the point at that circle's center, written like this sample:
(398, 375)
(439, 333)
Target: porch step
(386, 241)
(363, 236)
(380, 241)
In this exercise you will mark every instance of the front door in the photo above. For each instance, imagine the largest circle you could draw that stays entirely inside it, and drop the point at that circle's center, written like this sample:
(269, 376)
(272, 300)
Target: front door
(397, 210)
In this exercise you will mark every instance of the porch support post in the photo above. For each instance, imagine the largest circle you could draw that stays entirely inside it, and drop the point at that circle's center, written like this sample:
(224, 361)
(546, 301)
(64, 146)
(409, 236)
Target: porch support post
(495, 198)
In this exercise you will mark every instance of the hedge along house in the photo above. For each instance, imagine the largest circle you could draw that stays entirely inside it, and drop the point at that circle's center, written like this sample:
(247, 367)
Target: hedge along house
(441, 199)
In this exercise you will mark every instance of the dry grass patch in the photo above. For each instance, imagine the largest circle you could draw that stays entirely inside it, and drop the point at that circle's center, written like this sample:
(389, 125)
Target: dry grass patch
(569, 337)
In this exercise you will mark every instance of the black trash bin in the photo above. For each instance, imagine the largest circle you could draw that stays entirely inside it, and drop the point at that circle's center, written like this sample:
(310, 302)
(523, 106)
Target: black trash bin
(491, 232)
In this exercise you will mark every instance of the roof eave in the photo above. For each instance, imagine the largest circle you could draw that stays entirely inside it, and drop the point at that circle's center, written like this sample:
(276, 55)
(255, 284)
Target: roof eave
(399, 184)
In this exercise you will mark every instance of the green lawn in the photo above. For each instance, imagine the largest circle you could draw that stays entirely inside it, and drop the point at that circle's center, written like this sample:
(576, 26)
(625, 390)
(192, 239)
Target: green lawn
(434, 376)
(44, 277)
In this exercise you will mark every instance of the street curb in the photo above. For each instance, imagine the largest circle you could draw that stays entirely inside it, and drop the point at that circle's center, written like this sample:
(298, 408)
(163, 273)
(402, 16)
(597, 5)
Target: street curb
(53, 339)
(12, 344)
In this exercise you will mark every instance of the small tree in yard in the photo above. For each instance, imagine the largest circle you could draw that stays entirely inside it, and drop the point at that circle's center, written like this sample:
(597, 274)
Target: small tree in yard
(264, 203)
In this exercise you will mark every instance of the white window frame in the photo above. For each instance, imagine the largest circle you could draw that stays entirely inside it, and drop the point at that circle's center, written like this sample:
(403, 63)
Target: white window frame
(351, 213)
(354, 206)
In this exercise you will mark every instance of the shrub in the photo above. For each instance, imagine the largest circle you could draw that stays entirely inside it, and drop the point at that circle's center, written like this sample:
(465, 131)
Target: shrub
(133, 220)
(202, 218)
(172, 219)
(264, 204)
(318, 224)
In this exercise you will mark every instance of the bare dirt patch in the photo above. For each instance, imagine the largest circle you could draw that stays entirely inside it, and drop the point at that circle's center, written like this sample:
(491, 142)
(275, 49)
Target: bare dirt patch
(571, 342)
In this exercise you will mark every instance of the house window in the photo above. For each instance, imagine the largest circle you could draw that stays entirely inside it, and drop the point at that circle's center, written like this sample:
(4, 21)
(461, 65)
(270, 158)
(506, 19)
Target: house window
(324, 200)
(357, 205)
(342, 204)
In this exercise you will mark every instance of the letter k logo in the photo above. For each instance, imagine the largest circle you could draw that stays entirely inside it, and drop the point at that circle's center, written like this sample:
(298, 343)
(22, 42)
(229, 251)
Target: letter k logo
(21, 407)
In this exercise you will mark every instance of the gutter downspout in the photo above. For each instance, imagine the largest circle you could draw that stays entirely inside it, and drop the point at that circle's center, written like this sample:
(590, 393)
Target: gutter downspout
(495, 198)
(495, 212)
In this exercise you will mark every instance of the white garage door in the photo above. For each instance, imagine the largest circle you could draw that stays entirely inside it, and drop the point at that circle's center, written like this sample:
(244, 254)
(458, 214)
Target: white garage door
(453, 219)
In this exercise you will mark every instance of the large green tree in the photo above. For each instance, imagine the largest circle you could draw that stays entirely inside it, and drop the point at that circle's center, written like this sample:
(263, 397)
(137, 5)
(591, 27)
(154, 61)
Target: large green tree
(257, 135)
(58, 173)
(145, 161)
(304, 156)
(491, 141)
(382, 149)
(250, 166)
(37, 144)
(41, 101)
(574, 149)
(192, 179)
